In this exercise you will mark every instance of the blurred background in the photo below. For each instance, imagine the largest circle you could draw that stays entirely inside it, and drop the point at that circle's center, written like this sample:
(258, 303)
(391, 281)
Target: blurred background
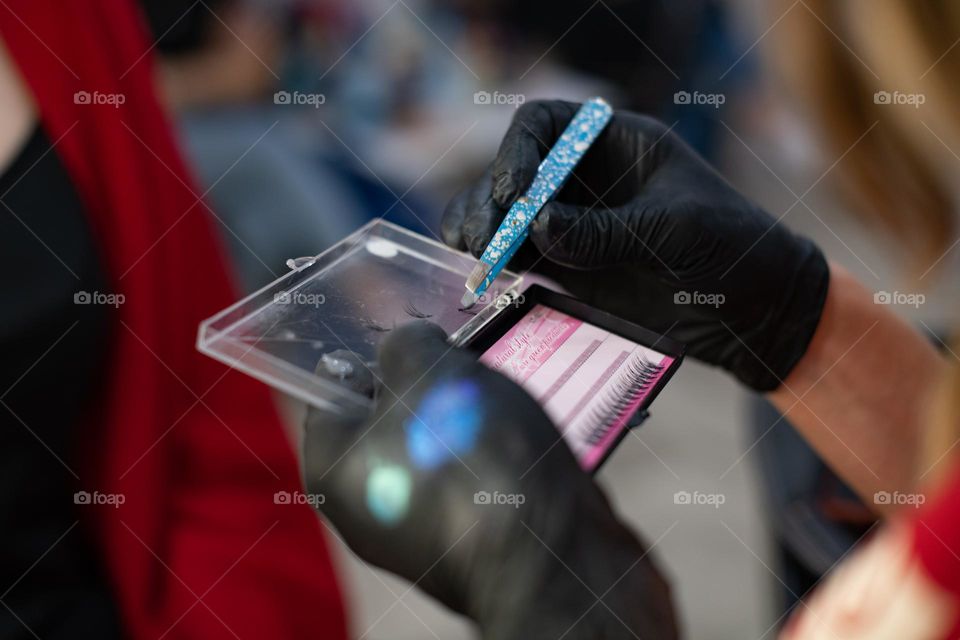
(305, 119)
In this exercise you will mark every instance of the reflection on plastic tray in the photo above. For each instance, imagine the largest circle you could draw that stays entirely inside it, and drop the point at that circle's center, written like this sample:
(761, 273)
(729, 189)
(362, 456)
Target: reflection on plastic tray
(346, 298)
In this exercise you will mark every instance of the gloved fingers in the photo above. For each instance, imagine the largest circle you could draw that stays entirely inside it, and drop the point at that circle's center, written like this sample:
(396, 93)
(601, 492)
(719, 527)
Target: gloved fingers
(412, 351)
(481, 220)
(472, 201)
(329, 432)
(582, 237)
(472, 217)
(327, 437)
(534, 129)
(347, 369)
(652, 128)
(451, 225)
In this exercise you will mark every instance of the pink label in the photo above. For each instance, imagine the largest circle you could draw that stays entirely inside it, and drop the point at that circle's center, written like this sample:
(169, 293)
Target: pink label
(530, 343)
(588, 380)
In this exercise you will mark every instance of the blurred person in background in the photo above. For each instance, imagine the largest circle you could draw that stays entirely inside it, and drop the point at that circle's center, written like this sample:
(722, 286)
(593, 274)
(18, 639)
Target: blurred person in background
(282, 184)
(140, 479)
(388, 100)
(644, 218)
(899, 178)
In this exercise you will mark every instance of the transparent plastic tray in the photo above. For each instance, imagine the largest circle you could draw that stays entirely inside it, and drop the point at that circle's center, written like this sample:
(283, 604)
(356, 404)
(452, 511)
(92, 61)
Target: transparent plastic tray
(348, 297)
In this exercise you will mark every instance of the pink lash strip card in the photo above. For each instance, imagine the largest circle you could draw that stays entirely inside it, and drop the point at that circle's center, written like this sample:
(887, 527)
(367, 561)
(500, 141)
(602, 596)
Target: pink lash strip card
(588, 380)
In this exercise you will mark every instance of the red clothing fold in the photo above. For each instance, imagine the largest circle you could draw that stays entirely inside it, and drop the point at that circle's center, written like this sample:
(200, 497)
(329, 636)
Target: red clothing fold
(199, 549)
(936, 538)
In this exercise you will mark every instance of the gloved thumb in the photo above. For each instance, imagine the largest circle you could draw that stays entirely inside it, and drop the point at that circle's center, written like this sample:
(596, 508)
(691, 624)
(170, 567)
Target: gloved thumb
(582, 237)
(410, 352)
(330, 430)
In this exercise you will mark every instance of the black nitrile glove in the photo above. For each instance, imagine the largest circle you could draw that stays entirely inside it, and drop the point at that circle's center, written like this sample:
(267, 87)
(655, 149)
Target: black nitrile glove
(459, 482)
(647, 230)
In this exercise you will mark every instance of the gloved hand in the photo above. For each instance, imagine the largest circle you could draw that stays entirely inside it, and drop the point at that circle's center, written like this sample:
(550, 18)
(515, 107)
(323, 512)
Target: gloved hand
(459, 482)
(647, 230)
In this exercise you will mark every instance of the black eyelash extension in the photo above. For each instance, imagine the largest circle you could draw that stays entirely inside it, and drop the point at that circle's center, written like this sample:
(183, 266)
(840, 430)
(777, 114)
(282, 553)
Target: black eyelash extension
(469, 311)
(375, 326)
(413, 312)
(638, 378)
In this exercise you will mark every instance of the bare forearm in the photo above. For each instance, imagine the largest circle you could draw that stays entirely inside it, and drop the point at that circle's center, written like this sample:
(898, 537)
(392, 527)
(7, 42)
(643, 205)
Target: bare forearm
(859, 394)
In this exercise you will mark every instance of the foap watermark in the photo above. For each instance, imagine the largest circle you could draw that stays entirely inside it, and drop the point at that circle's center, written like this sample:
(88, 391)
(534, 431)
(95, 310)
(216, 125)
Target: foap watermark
(500, 299)
(299, 98)
(497, 498)
(699, 298)
(98, 297)
(496, 97)
(896, 498)
(898, 97)
(715, 100)
(699, 498)
(503, 300)
(900, 298)
(299, 497)
(99, 98)
(299, 297)
(96, 498)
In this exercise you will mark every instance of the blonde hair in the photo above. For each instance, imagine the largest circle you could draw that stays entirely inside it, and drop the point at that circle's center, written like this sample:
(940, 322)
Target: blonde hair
(878, 77)
(845, 62)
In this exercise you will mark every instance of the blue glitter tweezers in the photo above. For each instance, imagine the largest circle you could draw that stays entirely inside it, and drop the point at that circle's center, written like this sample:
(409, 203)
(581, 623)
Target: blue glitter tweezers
(552, 173)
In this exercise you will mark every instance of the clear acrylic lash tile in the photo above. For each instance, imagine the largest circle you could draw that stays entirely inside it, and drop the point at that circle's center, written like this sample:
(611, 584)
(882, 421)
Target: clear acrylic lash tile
(348, 297)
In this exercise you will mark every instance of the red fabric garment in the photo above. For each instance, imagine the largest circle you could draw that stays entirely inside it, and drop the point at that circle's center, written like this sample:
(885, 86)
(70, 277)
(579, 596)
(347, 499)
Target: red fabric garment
(936, 538)
(196, 450)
